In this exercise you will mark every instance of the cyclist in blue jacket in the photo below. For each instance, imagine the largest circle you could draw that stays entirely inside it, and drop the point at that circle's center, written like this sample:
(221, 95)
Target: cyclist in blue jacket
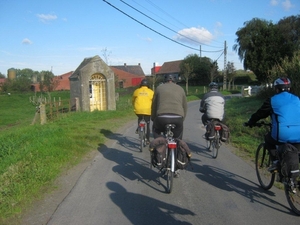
(284, 110)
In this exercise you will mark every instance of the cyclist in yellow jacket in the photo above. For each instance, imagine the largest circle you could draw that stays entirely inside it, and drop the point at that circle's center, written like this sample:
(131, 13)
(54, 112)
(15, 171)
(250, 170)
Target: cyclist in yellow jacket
(142, 101)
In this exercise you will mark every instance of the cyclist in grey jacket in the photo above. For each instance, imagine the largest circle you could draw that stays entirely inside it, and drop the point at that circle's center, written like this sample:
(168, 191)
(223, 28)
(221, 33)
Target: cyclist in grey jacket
(212, 104)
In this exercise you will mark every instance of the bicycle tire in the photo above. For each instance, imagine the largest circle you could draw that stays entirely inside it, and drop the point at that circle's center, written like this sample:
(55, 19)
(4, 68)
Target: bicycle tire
(170, 171)
(262, 163)
(142, 139)
(293, 198)
(215, 145)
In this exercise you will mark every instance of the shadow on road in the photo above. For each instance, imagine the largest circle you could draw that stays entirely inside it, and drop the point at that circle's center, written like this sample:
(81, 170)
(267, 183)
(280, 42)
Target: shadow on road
(139, 209)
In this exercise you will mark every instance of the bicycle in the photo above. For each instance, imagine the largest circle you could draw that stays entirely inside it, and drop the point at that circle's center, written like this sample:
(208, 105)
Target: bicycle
(142, 133)
(266, 178)
(214, 144)
(168, 168)
(171, 156)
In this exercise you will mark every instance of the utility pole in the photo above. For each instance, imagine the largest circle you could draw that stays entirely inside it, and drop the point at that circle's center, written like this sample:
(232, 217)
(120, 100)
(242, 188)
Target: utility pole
(200, 52)
(224, 71)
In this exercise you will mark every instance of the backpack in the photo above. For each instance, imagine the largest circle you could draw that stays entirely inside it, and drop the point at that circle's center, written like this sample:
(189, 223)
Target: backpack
(184, 154)
(158, 149)
(289, 159)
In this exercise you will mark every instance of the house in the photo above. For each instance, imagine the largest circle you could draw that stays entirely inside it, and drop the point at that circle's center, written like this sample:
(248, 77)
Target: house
(133, 69)
(172, 67)
(125, 79)
(128, 75)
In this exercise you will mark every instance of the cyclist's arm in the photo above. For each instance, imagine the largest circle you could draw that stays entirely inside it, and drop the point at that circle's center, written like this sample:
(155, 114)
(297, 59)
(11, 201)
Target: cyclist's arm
(263, 112)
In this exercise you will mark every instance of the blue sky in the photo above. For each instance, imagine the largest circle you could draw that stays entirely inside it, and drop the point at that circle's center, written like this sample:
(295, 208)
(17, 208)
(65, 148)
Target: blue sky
(58, 35)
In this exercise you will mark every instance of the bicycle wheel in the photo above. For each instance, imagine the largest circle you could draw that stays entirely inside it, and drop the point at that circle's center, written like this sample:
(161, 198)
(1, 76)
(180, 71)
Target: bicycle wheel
(215, 145)
(170, 170)
(293, 195)
(262, 163)
(208, 145)
(142, 138)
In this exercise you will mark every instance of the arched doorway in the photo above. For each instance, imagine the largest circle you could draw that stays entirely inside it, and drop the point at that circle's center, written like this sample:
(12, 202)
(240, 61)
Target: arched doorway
(97, 86)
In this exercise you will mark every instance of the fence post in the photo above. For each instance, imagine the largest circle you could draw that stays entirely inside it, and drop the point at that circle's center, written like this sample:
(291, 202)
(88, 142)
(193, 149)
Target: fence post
(43, 114)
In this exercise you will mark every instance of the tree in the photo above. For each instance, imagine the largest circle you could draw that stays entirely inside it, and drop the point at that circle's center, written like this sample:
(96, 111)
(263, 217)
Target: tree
(230, 74)
(187, 72)
(188, 66)
(289, 27)
(2, 75)
(48, 83)
(259, 47)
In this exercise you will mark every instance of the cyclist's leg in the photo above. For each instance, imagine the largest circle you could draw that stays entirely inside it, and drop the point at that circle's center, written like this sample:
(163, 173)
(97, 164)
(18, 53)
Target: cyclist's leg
(204, 119)
(158, 126)
(178, 130)
(147, 119)
(140, 117)
(270, 144)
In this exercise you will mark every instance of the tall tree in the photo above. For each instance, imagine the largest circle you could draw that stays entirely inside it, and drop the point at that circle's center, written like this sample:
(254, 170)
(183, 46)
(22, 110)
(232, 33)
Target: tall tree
(259, 47)
(230, 74)
(189, 66)
(187, 72)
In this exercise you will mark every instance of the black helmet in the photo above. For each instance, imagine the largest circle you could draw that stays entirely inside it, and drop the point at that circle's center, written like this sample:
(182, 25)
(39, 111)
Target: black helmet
(169, 77)
(144, 82)
(282, 84)
(213, 85)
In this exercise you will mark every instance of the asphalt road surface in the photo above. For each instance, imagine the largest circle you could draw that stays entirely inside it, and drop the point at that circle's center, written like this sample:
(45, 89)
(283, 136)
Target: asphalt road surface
(119, 187)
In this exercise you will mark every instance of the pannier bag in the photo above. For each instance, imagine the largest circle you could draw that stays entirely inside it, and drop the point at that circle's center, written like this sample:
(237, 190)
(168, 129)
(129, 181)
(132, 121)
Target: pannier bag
(210, 131)
(158, 149)
(183, 154)
(289, 159)
(224, 133)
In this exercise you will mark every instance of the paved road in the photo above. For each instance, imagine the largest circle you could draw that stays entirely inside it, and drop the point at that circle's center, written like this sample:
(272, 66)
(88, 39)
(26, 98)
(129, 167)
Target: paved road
(120, 188)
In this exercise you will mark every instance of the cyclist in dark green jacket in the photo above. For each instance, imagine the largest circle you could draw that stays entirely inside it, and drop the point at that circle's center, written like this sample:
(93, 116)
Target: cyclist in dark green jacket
(169, 105)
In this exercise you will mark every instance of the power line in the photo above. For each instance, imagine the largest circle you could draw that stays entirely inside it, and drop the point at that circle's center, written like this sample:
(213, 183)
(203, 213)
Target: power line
(149, 1)
(149, 27)
(166, 26)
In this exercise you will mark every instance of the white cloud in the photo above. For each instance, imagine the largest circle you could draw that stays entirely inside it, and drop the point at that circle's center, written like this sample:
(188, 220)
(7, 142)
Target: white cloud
(26, 41)
(194, 35)
(46, 17)
(274, 2)
(287, 5)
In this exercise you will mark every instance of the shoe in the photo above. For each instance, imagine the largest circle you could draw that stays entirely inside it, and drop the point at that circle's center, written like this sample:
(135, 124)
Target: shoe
(176, 174)
(204, 137)
(136, 131)
(274, 167)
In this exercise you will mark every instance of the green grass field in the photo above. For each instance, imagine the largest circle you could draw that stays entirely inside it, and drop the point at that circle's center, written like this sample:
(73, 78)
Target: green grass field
(33, 156)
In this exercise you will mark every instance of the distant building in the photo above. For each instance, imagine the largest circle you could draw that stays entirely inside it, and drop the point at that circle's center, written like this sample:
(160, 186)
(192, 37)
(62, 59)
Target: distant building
(172, 67)
(128, 75)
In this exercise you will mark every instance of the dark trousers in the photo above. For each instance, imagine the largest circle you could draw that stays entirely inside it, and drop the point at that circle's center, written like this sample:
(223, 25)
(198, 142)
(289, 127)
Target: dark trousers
(271, 144)
(160, 122)
(147, 119)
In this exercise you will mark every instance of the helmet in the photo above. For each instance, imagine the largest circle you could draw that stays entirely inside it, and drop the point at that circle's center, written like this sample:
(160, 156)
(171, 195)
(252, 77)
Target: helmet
(144, 82)
(213, 85)
(169, 77)
(282, 84)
